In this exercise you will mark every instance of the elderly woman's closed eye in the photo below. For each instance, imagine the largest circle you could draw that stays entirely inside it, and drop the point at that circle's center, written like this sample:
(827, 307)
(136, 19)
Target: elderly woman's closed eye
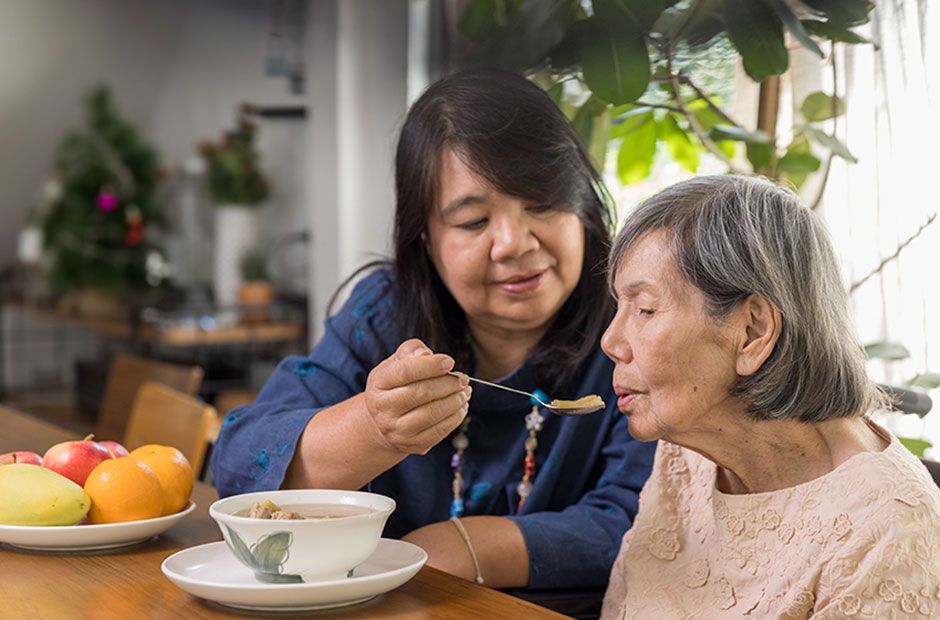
(772, 493)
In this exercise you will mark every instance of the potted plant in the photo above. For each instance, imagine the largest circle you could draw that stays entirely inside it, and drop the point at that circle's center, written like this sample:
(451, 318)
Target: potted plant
(237, 186)
(255, 292)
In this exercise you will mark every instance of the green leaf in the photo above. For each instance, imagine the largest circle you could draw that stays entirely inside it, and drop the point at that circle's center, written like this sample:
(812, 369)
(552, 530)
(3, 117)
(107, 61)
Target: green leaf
(760, 154)
(842, 12)
(278, 578)
(707, 117)
(678, 144)
(757, 34)
(740, 134)
(240, 549)
(926, 380)
(271, 551)
(818, 106)
(522, 34)
(616, 64)
(891, 351)
(833, 32)
(727, 147)
(832, 143)
(636, 15)
(592, 124)
(798, 162)
(635, 157)
(794, 26)
(631, 121)
(556, 91)
(916, 446)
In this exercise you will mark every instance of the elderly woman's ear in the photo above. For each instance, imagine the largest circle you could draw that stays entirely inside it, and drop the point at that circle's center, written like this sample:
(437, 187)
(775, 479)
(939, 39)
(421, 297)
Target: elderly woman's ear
(758, 328)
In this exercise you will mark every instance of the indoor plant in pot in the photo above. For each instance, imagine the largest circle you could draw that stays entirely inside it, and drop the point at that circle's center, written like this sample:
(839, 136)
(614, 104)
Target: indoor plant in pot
(237, 187)
(255, 292)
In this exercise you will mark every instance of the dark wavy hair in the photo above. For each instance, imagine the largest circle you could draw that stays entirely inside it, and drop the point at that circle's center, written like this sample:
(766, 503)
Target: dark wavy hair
(510, 133)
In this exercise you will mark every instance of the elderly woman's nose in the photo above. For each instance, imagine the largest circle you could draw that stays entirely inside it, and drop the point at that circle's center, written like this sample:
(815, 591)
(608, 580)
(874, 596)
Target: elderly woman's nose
(614, 341)
(512, 237)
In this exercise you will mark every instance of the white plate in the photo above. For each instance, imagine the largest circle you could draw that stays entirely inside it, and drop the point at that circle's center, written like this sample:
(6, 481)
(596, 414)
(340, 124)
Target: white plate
(211, 572)
(88, 537)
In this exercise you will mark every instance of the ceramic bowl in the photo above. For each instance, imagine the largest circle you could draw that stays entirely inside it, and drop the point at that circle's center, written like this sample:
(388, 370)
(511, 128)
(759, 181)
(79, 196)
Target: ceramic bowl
(307, 550)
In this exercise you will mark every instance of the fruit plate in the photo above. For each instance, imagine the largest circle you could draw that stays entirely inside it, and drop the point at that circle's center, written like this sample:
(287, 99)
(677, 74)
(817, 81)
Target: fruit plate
(89, 537)
(211, 572)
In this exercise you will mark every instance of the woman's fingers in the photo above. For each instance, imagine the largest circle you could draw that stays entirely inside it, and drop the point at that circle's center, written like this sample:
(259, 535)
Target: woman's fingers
(413, 401)
(424, 427)
(412, 362)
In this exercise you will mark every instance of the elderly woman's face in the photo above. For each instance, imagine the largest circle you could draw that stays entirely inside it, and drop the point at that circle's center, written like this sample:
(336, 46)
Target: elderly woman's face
(510, 264)
(674, 365)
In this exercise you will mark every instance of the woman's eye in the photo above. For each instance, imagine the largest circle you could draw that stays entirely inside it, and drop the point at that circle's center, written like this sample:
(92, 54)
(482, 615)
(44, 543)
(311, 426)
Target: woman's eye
(646, 311)
(539, 209)
(473, 225)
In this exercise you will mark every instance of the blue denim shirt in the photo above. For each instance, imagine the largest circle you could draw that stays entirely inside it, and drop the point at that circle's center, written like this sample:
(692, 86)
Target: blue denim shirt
(589, 471)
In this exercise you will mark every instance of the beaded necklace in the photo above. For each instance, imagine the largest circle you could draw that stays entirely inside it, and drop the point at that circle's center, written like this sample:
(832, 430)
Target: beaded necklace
(533, 423)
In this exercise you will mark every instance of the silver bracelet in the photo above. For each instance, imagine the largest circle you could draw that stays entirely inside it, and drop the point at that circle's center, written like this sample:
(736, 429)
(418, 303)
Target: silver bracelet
(473, 555)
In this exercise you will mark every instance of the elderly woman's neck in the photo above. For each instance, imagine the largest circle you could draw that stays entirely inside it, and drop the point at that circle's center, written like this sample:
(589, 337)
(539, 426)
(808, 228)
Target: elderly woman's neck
(765, 455)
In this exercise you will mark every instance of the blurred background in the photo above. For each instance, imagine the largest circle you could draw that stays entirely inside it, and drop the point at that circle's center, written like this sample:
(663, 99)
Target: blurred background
(158, 159)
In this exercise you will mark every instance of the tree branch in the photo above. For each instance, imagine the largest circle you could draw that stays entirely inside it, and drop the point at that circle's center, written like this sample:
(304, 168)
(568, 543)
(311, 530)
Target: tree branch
(701, 95)
(693, 122)
(897, 252)
(659, 106)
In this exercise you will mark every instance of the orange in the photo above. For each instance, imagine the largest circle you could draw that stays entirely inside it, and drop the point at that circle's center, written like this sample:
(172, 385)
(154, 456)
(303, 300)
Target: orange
(173, 471)
(123, 489)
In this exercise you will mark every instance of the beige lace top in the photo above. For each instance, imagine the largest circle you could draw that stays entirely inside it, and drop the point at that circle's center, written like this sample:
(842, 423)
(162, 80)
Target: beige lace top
(860, 542)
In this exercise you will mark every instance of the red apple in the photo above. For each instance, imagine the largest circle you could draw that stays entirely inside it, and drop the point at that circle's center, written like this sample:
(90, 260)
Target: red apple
(75, 459)
(20, 457)
(114, 448)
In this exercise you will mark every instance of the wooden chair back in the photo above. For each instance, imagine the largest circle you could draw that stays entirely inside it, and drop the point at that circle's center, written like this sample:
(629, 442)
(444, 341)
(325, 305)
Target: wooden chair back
(125, 375)
(169, 417)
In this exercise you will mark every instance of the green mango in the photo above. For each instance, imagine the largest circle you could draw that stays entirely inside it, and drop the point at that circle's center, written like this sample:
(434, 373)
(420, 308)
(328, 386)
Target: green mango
(34, 495)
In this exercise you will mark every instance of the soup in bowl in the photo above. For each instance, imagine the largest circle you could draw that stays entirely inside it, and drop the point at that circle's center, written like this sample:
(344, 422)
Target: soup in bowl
(302, 535)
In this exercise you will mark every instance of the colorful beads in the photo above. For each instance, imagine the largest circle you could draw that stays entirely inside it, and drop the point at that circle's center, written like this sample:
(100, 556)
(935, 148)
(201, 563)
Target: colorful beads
(456, 507)
(523, 489)
(460, 441)
(531, 443)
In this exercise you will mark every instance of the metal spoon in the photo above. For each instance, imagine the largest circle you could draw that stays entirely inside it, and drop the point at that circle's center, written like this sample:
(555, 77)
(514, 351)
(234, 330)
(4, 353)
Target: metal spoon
(588, 404)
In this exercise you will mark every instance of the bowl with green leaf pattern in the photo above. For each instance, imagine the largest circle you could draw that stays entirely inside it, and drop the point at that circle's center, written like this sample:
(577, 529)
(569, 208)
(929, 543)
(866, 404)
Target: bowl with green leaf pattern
(302, 535)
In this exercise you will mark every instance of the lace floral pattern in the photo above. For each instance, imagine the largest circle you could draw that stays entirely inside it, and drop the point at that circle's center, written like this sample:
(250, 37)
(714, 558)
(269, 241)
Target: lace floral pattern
(859, 542)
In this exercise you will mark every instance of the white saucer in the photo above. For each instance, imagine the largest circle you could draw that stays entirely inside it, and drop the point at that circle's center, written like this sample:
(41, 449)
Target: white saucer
(211, 572)
(88, 537)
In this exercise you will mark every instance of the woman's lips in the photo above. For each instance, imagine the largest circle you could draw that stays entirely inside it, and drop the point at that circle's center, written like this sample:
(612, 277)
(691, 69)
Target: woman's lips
(522, 284)
(624, 401)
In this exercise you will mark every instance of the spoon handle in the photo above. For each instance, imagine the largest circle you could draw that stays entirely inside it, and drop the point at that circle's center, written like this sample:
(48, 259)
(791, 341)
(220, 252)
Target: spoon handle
(495, 385)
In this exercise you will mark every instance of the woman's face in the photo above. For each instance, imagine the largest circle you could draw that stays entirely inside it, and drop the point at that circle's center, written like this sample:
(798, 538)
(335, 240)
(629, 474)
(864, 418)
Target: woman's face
(674, 366)
(509, 263)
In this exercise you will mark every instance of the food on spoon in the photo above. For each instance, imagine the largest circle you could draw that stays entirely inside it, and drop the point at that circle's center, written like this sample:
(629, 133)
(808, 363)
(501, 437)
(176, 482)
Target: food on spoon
(585, 401)
(34, 495)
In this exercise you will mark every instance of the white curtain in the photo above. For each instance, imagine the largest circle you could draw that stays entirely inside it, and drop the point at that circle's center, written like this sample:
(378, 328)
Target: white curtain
(876, 205)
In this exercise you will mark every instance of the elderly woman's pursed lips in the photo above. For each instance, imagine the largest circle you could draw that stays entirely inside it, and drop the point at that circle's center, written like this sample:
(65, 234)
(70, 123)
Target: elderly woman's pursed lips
(626, 396)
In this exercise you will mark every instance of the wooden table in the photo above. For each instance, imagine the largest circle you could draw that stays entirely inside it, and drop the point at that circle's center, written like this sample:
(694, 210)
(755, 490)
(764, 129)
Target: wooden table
(128, 584)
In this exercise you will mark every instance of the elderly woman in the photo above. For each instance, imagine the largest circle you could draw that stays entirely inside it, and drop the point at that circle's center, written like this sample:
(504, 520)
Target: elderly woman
(772, 493)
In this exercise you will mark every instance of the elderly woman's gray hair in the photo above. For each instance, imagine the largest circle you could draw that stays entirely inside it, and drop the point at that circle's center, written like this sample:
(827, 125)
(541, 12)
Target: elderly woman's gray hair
(734, 236)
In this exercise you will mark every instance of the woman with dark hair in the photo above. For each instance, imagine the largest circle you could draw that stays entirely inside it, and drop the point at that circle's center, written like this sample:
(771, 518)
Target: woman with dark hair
(773, 494)
(501, 239)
